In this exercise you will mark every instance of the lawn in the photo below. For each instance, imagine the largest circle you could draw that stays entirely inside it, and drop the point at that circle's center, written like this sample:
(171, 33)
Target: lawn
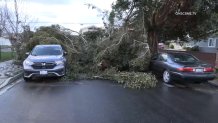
(6, 56)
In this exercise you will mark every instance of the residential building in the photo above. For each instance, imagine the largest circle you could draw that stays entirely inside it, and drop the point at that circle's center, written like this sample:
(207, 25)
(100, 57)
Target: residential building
(5, 41)
(208, 45)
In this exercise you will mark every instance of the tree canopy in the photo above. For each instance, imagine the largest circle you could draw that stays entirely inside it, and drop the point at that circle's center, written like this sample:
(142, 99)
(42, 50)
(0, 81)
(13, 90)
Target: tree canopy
(161, 20)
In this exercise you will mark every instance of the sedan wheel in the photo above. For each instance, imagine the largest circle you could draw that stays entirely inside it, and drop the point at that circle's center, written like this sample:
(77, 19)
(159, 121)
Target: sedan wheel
(166, 77)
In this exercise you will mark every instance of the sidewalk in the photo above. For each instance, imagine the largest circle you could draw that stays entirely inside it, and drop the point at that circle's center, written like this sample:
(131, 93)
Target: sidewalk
(9, 72)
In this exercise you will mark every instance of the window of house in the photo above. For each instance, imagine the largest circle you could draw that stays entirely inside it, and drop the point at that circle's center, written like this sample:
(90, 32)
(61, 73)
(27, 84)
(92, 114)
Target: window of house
(211, 42)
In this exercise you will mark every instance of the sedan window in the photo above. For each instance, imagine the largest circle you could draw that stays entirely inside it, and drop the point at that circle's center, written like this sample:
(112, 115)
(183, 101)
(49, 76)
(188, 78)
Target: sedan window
(40, 51)
(183, 58)
(163, 57)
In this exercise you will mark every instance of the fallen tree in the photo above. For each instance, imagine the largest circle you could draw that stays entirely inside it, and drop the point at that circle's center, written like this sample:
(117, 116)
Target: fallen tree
(122, 59)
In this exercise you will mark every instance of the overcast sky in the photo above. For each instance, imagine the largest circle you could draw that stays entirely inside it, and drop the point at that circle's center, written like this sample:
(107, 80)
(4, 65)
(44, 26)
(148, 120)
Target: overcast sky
(68, 13)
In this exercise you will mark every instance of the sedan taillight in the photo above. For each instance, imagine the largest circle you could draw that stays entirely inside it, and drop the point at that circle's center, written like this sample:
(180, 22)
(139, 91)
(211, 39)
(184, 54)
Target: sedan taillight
(186, 69)
(210, 69)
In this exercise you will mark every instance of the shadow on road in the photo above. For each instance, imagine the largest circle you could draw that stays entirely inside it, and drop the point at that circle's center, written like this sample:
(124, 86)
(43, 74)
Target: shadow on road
(202, 87)
(45, 80)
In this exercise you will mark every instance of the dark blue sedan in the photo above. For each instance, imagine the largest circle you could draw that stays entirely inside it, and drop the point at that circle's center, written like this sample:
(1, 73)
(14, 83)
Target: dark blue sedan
(181, 66)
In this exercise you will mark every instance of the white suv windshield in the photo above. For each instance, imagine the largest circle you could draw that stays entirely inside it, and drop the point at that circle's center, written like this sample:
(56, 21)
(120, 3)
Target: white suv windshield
(46, 50)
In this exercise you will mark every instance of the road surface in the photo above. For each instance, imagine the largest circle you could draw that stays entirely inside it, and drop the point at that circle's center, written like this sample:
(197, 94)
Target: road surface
(99, 101)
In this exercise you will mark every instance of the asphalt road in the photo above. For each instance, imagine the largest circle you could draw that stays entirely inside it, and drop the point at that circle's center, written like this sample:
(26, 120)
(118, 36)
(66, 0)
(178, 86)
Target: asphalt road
(98, 101)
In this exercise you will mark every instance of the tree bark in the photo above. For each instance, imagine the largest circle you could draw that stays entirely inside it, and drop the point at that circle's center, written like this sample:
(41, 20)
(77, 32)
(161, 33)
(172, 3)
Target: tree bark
(153, 41)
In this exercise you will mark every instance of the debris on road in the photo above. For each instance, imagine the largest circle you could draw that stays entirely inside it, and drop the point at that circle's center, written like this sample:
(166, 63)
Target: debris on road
(9, 72)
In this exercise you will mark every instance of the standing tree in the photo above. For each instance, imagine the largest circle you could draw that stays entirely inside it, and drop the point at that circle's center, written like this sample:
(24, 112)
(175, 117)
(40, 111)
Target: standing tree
(167, 19)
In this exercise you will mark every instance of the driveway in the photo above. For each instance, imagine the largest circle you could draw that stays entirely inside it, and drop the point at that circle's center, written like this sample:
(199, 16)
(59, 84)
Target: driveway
(98, 101)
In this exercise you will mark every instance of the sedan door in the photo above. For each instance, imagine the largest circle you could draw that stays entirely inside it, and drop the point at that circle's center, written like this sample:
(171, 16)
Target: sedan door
(154, 62)
(161, 63)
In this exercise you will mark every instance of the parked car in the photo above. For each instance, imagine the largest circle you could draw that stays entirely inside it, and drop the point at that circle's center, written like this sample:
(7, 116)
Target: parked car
(181, 66)
(45, 61)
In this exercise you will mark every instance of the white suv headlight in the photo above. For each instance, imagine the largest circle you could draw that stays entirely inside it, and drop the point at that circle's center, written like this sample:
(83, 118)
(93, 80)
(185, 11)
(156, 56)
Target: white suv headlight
(27, 62)
(59, 62)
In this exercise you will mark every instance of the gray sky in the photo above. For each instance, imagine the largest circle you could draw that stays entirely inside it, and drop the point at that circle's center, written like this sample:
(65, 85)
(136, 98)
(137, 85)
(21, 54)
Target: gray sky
(68, 13)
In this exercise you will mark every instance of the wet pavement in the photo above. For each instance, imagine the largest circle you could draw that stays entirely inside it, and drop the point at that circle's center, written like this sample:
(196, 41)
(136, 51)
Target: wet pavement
(8, 70)
(98, 101)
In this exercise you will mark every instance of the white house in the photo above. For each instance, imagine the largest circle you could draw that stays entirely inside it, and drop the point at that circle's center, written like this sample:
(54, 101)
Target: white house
(208, 45)
(5, 41)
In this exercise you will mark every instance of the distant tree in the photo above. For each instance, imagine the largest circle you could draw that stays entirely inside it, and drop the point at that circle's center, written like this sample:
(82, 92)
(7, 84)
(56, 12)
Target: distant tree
(13, 25)
(94, 35)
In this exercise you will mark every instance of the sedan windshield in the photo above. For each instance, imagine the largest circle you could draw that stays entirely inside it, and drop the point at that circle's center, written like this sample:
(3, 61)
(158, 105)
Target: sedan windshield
(46, 50)
(183, 58)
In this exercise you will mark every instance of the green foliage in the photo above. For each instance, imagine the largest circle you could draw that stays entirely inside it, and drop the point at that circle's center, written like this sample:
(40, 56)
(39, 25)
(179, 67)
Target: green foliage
(111, 18)
(77, 71)
(27, 47)
(117, 54)
(51, 35)
(171, 46)
(94, 35)
(140, 64)
(123, 54)
(161, 22)
(133, 80)
(126, 54)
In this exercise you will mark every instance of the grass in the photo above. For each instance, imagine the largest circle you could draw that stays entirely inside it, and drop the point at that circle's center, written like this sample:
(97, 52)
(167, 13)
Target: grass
(6, 56)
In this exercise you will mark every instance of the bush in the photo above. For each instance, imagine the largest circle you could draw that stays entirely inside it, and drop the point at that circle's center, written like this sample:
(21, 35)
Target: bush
(171, 46)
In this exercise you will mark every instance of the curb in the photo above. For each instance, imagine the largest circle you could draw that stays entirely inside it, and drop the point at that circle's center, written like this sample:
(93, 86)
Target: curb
(11, 79)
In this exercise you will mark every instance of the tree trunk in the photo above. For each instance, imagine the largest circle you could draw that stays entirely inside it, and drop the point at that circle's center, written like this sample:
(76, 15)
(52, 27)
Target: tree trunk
(153, 41)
